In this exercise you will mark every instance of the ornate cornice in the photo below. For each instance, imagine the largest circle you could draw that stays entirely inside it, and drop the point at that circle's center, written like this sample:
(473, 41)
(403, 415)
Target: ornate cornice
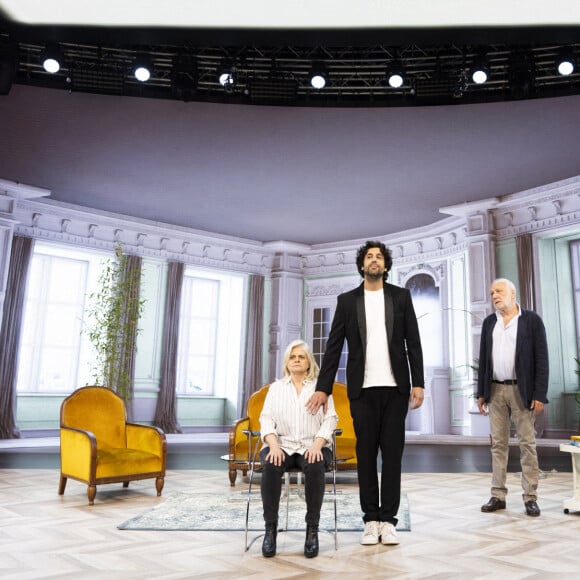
(553, 206)
(65, 223)
(330, 286)
(549, 207)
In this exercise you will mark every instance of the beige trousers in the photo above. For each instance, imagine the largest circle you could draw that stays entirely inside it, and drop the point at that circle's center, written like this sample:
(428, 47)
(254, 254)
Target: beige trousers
(505, 404)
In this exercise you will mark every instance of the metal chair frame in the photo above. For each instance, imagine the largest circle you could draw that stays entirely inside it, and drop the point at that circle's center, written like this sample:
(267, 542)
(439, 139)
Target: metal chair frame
(253, 446)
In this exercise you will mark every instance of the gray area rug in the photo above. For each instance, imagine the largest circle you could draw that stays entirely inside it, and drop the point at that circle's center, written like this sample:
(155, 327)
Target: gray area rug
(218, 512)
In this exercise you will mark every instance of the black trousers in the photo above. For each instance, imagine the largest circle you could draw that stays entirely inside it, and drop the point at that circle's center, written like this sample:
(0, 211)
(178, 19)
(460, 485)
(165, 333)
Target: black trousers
(379, 423)
(314, 481)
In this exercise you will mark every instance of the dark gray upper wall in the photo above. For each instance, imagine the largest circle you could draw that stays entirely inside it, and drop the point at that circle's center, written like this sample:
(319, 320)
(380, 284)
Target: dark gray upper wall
(273, 173)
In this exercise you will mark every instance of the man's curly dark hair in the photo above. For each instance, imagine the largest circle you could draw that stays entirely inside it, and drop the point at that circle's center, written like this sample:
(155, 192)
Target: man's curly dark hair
(362, 252)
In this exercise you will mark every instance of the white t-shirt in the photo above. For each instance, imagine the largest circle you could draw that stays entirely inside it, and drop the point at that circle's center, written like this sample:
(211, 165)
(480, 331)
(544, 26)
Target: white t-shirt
(378, 371)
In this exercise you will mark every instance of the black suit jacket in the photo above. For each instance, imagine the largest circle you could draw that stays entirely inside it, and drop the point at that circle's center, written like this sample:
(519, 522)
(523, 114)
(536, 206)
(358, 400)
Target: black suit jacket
(350, 323)
(531, 364)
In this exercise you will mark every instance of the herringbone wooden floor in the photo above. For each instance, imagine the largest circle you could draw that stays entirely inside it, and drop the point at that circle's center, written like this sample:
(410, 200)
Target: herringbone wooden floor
(43, 535)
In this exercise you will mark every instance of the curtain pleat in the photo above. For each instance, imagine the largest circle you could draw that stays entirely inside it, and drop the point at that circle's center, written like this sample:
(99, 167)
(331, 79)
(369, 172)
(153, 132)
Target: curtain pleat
(20, 256)
(526, 275)
(166, 411)
(255, 339)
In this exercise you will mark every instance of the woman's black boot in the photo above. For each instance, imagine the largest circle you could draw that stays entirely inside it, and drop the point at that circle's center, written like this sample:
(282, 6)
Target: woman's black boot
(269, 543)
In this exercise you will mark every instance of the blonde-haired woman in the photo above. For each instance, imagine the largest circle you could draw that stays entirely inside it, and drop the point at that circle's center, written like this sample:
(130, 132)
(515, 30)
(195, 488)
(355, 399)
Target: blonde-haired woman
(295, 438)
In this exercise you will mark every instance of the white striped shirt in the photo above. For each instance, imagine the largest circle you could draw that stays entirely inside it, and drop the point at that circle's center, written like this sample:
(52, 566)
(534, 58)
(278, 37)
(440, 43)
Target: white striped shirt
(284, 414)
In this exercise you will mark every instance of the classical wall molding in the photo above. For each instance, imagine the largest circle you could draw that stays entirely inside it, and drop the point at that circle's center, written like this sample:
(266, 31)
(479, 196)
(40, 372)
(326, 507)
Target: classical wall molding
(552, 206)
(64, 223)
(21, 190)
(436, 271)
(438, 240)
(325, 287)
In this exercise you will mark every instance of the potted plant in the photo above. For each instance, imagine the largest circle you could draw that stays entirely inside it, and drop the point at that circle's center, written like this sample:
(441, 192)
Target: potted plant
(577, 393)
(479, 422)
(113, 316)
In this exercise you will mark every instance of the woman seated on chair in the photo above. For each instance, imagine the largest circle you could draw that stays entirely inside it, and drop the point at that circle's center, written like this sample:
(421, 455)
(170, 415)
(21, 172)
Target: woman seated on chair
(294, 438)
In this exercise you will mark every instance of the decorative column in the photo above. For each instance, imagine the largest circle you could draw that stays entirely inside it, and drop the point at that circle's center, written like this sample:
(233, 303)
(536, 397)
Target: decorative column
(287, 291)
(471, 306)
(10, 193)
(480, 240)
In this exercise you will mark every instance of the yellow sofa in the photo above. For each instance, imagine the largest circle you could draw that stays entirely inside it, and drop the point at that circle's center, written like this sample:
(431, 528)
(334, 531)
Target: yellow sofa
(98, 446)
(238, 441)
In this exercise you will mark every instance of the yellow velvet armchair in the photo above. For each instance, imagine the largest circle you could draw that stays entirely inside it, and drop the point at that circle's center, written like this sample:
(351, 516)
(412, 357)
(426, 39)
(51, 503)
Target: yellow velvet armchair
(238, 442)
(98, 446)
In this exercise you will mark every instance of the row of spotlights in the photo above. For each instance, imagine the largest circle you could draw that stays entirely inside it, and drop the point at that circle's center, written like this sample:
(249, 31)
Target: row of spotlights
(51, 59)
(480, 71)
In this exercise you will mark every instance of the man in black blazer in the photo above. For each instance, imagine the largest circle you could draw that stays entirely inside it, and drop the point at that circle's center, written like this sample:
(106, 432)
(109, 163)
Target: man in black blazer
(512, 385)
(384, 373)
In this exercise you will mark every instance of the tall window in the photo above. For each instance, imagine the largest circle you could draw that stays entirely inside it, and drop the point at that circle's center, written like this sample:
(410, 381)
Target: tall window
(426, 302)
(320, 330)
(210, 332)
(54, 352)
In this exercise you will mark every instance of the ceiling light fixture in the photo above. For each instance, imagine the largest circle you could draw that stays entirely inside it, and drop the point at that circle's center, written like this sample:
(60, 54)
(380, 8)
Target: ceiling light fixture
(480, 71)
(51, 59)
(142, 68)
(226, 76)
(395, 75)
(566, 62)
(318, 76)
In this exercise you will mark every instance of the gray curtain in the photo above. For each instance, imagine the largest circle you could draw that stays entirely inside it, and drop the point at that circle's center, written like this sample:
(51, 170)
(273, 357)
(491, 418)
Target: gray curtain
(20, 257)
(526, 275)
(166, 412)
(255, 339)
(132, 274)
(527, 298)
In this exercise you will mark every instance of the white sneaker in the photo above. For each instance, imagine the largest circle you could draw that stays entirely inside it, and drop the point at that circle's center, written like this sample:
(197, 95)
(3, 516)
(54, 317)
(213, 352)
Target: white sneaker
(388, 534)
(371, 534)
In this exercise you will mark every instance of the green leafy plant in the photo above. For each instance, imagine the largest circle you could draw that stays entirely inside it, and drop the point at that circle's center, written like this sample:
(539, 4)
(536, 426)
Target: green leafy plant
(474, 366)
(113, 316)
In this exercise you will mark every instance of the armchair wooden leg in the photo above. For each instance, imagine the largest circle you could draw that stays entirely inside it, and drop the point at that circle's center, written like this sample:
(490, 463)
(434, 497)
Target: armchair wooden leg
(159, 483)
(125, 484)
(61, 484)
(233, 473)
(91, 493)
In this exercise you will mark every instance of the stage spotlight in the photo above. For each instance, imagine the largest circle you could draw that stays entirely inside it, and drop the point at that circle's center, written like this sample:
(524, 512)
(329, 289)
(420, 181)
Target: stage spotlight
(318, 76)
(480, 71)
(566, 62)
(142, 68)
(226, 76)
(395, 75)
(51, 59)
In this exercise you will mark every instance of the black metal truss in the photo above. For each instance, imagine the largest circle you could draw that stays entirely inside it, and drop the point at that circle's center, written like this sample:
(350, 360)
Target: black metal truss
(278, 75)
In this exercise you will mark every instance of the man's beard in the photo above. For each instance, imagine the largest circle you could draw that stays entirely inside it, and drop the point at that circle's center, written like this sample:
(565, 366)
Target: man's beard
(373, 276)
